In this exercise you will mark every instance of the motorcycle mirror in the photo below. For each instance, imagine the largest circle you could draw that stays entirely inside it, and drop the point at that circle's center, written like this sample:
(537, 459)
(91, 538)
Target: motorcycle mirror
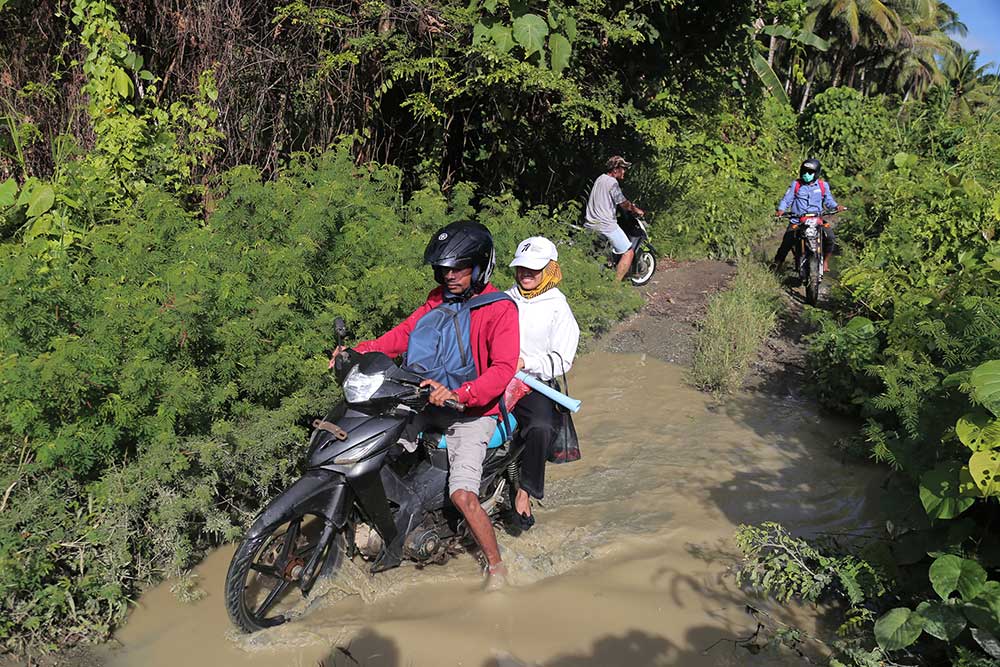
(341, 329)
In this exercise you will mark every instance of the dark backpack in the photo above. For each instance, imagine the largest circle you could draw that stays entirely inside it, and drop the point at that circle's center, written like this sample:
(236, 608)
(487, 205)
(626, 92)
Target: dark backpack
(440, 347)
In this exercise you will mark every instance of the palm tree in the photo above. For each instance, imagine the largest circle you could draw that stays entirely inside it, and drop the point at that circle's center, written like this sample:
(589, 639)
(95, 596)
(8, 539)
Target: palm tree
(964, 76)
(847, 22)
(925, 25)
(858, 16)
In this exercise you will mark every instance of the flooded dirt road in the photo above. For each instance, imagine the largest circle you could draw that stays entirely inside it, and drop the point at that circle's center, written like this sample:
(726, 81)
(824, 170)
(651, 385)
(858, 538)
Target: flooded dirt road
(626, 566)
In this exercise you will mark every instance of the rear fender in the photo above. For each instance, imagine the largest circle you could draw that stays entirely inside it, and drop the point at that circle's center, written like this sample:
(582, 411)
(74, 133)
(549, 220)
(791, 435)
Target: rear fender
(321, 492)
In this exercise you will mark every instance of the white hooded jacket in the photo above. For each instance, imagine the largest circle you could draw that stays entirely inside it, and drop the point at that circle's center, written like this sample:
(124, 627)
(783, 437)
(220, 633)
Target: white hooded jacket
(547, 326)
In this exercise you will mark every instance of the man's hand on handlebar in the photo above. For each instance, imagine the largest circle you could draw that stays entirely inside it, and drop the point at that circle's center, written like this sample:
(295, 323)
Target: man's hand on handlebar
(336, 353)
(440, 396)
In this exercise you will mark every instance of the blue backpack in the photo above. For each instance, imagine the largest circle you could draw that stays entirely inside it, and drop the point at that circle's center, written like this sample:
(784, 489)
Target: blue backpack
(440, 348)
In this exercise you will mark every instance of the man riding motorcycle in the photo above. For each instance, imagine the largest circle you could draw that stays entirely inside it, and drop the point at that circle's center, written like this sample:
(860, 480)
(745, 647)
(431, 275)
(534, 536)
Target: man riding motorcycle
(463, 259)
(809, 193)
(605, 198)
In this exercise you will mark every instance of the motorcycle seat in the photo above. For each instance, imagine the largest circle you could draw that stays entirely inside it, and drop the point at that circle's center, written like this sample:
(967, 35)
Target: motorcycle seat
(498, 434)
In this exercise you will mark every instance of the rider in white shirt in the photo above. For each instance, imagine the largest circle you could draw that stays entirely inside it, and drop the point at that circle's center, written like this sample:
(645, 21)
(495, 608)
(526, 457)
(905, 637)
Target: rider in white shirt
(549, 338)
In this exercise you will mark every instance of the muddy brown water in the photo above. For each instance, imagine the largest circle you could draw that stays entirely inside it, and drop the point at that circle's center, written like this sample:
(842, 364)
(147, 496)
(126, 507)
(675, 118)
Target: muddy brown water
(627, 564)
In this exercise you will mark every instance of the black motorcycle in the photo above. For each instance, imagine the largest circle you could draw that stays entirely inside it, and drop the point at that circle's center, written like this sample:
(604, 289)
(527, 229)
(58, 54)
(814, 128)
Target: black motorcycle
(808, 249)
(361, 495)
(643, 261)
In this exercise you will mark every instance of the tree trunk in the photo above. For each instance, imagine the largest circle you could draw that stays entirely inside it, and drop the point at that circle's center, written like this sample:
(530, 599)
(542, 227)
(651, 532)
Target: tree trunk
(772, 47)
(808, 90)
(838, 67)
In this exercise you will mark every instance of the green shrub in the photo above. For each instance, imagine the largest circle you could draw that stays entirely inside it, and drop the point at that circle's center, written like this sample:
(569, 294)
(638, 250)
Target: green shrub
(846, 130)
(713, 187)
(157, 376)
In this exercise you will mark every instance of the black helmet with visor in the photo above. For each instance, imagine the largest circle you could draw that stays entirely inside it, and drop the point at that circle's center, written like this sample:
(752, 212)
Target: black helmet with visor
(461, 245)
(810, 170)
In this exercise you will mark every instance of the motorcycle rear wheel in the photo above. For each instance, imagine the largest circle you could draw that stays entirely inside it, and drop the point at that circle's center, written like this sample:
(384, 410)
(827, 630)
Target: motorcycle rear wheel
(812, 280)
(268, 570)
(643, 268)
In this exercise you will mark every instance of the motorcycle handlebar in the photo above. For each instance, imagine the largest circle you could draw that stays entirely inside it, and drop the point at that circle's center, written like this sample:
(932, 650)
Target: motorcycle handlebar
(450, 403)
(821, 214)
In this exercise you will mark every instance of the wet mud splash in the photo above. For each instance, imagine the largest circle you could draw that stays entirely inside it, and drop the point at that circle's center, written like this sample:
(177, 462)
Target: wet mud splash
(627, 564)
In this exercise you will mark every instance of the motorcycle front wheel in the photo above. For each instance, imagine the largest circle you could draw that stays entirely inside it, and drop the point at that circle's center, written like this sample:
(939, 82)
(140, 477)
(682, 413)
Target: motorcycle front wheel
(266, 575)
(643, 267)
(812, 280)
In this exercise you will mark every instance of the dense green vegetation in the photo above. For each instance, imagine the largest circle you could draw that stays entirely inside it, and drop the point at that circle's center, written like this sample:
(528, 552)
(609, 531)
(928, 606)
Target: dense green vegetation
(912, 347)
(184, 209)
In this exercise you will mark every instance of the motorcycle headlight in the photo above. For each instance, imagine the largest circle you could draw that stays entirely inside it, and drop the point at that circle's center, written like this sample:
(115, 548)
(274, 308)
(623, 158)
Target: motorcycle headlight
(359, 387)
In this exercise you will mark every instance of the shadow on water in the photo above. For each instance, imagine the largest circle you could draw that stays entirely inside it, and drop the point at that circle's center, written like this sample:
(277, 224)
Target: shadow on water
(633, 648)
(808, 486)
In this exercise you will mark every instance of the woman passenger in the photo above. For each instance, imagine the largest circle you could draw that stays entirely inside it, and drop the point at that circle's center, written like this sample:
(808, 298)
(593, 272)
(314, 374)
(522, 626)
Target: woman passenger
(549, 337)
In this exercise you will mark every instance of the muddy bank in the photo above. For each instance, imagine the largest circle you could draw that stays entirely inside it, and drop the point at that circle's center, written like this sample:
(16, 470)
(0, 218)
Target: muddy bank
(627, 565)
(675, 304)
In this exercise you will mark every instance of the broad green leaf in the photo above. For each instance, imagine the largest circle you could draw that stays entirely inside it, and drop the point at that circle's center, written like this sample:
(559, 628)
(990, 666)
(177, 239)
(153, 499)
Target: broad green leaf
(904, 160)
(813, 40)
(951, 573)
(985, 470)
(861, 325)
(40, 227)
(898, 628)
(987, 641)
(41, 200)
(560, 48)
(985, 382)
(779, 30)
(530, 31)
(569, 24)
(479, 33)
(122, 83)
(941, 492)
(27, 189)
(490, 6)
(502, 38)
(978, 431)
(8, 193)
(984, 610)
(768, 78)
(955, 379)
(941, 620)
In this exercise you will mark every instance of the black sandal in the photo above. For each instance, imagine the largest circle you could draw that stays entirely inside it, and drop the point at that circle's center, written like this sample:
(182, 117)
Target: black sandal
(526, 521)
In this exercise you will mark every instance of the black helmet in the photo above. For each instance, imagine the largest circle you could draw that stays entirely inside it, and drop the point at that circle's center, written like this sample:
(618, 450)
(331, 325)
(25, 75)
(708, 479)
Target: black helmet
(462, 244)
(813, 165)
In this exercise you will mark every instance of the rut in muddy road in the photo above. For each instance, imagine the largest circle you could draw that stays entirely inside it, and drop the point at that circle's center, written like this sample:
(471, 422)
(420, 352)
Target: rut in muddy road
(628, 564)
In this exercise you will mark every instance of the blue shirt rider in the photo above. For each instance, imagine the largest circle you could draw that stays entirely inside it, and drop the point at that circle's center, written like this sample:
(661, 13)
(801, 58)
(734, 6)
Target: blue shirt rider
(807, 194)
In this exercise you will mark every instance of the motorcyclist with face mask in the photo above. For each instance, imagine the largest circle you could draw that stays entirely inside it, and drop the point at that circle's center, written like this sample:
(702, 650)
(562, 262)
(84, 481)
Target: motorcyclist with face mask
(809, 193)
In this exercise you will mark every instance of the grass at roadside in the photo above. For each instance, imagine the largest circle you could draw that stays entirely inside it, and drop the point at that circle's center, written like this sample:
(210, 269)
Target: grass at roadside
(737, 321)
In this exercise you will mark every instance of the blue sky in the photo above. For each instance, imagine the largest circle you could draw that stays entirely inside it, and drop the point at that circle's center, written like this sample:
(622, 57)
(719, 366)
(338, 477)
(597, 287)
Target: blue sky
(983, 19)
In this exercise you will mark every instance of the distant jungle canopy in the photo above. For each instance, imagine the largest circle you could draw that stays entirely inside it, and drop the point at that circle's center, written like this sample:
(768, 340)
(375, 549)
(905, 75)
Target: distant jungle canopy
(506, 94)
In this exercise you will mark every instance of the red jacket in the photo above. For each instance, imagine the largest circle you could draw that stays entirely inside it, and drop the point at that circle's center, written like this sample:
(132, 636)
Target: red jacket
(495, 339)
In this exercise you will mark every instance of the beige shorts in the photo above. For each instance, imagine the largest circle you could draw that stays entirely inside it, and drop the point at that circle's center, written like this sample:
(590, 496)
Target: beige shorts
(467, 438)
